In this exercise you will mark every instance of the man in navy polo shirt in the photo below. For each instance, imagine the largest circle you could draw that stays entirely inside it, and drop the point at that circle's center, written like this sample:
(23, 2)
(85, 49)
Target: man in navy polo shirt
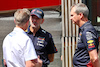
(87, 46)
(42, 40)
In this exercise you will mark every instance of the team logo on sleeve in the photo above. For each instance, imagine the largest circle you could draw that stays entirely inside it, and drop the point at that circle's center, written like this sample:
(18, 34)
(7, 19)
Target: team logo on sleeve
(90, 41)
(89, 36)
(90, 44)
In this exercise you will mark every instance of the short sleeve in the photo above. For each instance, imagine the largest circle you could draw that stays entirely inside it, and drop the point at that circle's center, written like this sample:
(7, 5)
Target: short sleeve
(4, 50)
(88, 39)
(29, 52)
(51, 48)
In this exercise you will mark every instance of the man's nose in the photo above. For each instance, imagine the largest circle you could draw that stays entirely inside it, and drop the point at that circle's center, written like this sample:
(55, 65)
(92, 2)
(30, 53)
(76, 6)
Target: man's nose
(70, 18)
(34, 20)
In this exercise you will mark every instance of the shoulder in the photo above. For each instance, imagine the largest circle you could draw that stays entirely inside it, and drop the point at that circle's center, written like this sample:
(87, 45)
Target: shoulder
(46, 33)
(89, 29)
(8, 36)
(90, 32)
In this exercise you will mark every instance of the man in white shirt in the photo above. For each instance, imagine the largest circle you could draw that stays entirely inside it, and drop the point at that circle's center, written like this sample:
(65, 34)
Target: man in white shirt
(18, 50)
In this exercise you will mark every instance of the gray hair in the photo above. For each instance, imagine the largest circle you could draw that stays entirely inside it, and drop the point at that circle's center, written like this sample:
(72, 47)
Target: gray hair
(21, 16)
(81, 8)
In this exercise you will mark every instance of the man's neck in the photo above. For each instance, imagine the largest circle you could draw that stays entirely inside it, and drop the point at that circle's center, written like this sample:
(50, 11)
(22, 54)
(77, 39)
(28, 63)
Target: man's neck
(83, 21)
(20, 27)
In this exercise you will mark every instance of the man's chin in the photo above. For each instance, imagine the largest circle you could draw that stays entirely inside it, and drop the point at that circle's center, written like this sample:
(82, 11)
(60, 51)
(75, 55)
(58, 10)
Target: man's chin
(33, 26)
(73, 22)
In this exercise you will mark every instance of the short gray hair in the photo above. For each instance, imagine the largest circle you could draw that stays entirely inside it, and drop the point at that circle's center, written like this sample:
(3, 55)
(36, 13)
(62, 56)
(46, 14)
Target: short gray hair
(81, 8)
(21, 16)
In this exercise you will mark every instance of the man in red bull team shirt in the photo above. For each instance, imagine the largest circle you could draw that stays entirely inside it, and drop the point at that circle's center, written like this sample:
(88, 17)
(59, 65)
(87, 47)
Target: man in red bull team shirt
(42, 40)
(86, 54)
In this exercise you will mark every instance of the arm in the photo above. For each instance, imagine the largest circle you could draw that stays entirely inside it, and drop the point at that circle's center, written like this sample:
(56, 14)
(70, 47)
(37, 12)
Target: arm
(51, 57)
(30, 63)
(51, 49)
(34, 63)
(94, 58)
(61, 57)
(4, 62)
(39, 62)
(90, 41)
(30, 54)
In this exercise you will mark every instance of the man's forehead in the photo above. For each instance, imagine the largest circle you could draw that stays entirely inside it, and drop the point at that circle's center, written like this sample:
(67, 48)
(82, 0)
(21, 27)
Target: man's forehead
(34, 16)
(73, 10)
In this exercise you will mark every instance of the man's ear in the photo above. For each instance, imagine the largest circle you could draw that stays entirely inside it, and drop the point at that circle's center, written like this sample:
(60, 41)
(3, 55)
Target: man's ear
(27, 22)
(81, 15)
(14, 21)
(42, 21)
(30, 18)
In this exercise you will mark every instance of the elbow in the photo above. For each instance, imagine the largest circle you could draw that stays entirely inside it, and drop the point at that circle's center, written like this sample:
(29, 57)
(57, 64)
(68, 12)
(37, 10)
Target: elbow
(51, 60)
(51, 57)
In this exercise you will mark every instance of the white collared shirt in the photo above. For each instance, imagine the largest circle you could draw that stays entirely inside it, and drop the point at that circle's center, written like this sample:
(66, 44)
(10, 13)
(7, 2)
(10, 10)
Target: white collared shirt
(18, 48)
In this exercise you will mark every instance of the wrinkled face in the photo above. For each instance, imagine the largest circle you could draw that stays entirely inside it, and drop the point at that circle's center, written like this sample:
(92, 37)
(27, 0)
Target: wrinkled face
(35, 21)
(27, 24)
(74, 17)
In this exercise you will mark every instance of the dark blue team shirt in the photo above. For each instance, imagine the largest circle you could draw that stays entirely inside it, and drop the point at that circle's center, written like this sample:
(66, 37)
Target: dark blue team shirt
(87, 41)
(43, 43)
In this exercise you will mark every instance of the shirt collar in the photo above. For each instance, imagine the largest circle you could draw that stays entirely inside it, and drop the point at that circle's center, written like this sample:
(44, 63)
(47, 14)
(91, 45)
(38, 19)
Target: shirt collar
(19, 29)
(84, 25)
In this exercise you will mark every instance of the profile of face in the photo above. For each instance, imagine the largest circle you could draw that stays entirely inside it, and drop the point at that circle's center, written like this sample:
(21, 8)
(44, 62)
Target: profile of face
(74, 16)
(35, 21)
(27, 24)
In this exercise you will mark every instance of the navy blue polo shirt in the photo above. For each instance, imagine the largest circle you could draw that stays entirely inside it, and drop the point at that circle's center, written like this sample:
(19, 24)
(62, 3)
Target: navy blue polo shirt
(87, 41)
(43, 43)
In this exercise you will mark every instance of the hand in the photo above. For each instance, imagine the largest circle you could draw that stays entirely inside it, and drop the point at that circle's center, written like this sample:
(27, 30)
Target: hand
(61, 57)
(5, 65)
(31, 22)
(39, 62)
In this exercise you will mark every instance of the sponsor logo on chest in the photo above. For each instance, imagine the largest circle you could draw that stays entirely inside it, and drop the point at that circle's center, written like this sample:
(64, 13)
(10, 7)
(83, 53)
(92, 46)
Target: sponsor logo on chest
(40, 41)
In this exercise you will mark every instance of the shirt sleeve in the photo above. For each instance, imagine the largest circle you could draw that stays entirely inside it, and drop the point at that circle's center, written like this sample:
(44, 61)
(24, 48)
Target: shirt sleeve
(4, 43)
(30, 53)
(88, 39)
(51, 48)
